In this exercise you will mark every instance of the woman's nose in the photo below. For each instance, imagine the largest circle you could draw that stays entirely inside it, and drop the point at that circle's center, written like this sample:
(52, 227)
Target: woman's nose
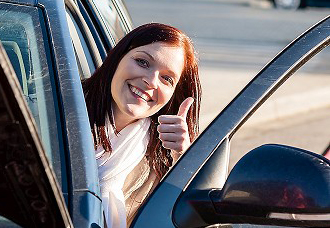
(152, 80)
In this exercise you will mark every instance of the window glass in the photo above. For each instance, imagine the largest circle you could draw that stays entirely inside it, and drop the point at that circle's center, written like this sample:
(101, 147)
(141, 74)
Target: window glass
(6, 223)
(82, 53)
(22, 37)
(111, 18)
(285, 119)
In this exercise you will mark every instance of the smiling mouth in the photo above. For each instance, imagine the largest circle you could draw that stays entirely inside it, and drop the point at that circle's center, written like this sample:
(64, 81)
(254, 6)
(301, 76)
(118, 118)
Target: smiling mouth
(139, 93)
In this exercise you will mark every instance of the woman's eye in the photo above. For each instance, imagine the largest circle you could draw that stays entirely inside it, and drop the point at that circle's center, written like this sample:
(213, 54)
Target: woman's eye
(168, 79)
(142, 62)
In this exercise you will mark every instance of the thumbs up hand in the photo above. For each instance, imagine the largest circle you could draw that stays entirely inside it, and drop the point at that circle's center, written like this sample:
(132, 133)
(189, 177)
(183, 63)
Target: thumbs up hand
(173, 129)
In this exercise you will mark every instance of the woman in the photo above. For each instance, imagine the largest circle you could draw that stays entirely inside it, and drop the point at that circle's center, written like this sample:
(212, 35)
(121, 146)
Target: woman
(143, 105)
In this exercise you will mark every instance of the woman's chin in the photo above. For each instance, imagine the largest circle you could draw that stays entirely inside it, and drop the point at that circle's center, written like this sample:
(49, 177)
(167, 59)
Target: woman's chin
(138, 113)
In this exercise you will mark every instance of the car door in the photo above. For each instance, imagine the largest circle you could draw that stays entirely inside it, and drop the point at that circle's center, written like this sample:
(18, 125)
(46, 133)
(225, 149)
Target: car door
(30, 194)
(184, 196)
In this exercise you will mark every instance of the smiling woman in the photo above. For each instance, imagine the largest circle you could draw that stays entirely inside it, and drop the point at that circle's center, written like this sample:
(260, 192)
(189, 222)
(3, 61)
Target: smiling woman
(143, 105)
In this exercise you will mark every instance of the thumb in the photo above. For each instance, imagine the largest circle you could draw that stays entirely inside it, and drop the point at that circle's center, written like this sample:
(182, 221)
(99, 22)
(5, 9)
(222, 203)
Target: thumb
(184, 107)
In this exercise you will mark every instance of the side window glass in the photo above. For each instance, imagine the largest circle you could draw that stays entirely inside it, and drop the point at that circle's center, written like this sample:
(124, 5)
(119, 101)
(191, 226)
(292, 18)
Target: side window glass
(83, 55)
(4, 222)
(22, 37)
(111, 18)
(297, 114)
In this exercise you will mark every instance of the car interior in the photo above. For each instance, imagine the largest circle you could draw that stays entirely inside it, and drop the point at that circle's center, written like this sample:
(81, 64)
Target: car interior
(13, 37)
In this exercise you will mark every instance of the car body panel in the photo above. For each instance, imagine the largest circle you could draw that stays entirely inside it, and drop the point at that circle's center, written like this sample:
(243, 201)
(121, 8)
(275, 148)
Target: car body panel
(81, 164)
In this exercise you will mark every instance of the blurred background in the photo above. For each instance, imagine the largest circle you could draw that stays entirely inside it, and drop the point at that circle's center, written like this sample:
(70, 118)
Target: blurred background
(234, 39)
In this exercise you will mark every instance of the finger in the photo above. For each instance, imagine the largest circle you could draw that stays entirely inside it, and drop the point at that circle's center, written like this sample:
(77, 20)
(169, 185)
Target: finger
(171, 137)
(171, 145)
(184, 107)
(171, 128)
(171, 119)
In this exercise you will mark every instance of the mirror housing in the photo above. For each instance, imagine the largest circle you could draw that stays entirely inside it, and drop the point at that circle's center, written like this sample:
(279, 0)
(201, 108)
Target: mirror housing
(271, 185)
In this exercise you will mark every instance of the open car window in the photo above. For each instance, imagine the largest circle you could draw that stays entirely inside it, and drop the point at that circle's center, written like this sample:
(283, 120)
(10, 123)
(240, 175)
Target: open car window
(283, 118)
(203, 168)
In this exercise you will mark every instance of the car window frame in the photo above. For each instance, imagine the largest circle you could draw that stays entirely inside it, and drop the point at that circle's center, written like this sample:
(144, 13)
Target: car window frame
(108, 39)
(86, 33)
(99, 22)
(83, 56)
(97, 34)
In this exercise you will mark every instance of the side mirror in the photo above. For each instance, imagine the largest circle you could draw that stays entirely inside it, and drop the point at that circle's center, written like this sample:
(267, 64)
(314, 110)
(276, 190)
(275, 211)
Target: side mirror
(271, 185)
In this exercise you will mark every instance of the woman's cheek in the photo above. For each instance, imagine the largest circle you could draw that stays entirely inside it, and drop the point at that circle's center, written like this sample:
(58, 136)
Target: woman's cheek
(167, 94)
(163, 99)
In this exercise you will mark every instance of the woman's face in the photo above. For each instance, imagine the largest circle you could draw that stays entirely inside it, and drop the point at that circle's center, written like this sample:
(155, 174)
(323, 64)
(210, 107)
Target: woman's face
(145, 80)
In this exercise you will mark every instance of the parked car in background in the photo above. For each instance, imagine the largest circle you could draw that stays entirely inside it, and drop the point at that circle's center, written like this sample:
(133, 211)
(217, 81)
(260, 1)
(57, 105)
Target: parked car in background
(48, 172)
(295, 4)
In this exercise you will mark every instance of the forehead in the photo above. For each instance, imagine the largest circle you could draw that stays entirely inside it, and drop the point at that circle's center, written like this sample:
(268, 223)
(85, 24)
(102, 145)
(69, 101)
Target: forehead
(167, 56)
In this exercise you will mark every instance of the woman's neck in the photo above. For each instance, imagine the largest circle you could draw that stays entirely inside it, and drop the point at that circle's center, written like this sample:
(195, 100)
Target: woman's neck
(120, 119)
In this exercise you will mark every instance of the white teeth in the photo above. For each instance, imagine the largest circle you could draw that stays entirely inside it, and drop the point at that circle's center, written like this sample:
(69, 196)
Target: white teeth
(137, 92)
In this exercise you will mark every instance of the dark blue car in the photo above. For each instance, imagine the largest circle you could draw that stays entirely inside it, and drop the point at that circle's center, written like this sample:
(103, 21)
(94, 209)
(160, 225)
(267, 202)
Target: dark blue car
(48, 172)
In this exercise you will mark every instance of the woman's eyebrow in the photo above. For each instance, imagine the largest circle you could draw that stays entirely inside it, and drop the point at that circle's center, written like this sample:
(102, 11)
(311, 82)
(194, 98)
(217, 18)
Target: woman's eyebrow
(147, 54)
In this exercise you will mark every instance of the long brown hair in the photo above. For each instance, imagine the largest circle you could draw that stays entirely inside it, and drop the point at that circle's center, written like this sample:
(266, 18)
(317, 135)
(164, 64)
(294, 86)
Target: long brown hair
(97, 90)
